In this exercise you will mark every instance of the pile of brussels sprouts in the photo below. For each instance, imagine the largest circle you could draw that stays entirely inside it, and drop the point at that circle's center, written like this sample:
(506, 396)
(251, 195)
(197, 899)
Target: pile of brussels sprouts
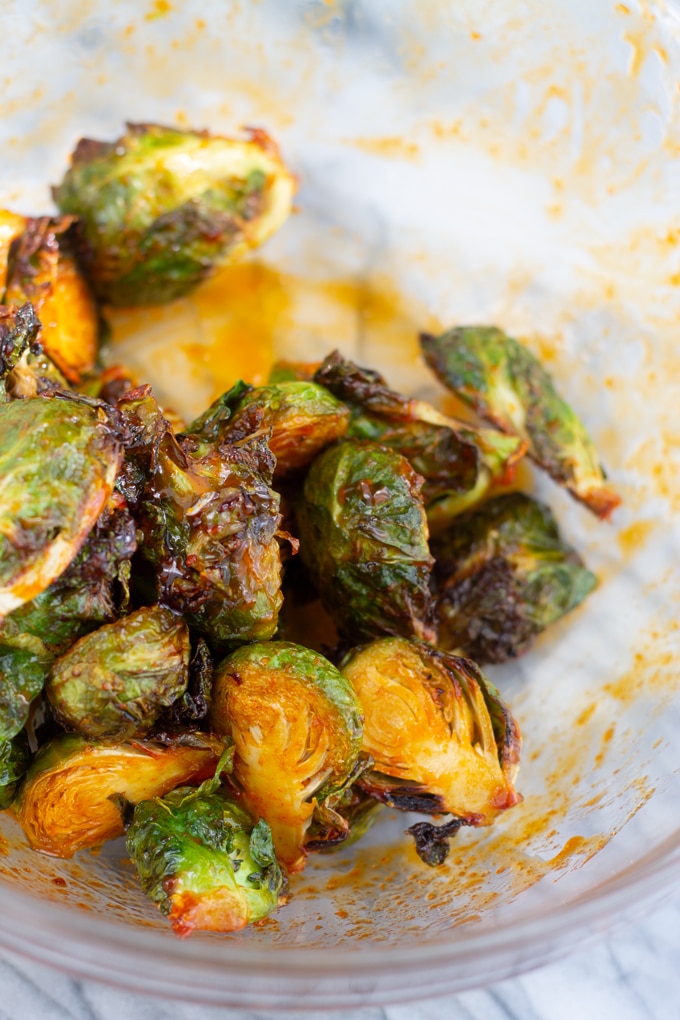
(154, 676)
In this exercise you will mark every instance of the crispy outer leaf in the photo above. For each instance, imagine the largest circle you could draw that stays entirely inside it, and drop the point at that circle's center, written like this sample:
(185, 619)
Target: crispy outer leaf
(202, 859)
(364, 540)
(15, 758)
(161, 208)
(92, 591)
(504, 574)
(115, 682)
(25, 662)
(296, 726)
(503, 381)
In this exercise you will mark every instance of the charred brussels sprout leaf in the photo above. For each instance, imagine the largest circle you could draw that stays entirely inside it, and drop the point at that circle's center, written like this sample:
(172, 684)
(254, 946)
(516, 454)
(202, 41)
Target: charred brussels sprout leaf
(342, 820)
(19, 328)
(58, 461)
(433, 841)
(15, 758)
(459, 463)
(441, 738)
(296, 726)
(503, 575)
(68, 799)
(92, 591)
(209, 520)
(303, 418)
(115, 682)
(25, 662)
(204, 862)
(161, 209)
(42, 269)
(505, 383)
(365, 541)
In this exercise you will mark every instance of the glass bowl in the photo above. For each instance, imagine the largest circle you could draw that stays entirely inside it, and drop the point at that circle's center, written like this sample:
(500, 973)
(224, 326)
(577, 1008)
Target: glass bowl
(478, 162)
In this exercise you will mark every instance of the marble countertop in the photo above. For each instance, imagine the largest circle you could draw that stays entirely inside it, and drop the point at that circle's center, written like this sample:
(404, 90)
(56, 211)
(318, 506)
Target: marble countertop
(634, 974)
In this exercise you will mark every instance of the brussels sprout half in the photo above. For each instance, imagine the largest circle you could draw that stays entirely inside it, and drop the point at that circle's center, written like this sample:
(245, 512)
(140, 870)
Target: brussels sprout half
(503, 574)
(296, 726)
(441, 739)
(503, 381)
(303, 418)
(69, 798)
(59, 457)
(364, 541)
(202, 859)
(42, 269)
(115, 682)
(209, 520)
(161, 209)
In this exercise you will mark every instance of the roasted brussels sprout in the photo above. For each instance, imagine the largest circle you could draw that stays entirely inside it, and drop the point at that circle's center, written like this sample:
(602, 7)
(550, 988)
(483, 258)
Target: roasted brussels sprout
(342, 819)
(92, 591)
(68, 800)
(365, 541)
(503, 381)
(25, 662)
(503, 575)
(15, 758)
(296, 726)
(58, 462)
(209, 521)
(459, 463)
(42, 269)
(202, 859)
(161, 208)
(441, 738)
(303, 418)
(12, 225)
(115, 682)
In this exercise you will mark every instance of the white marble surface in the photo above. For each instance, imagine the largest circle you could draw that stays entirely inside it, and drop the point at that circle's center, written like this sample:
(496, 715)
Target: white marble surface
(633, 974)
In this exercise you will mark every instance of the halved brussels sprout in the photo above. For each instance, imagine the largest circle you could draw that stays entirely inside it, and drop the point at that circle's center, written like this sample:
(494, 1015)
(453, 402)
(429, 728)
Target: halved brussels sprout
(459, 463)
(25, 662)
(12, 225)
(503, 575)
(115, 682)
(209, 520)
(503, 381)
(303, 418)
(92, 591)
(70, 796)
(296, 726)
(58, 461)
(202, 859)
(15, 758)
(441, 739)
(42, 269)
(161, 209)
(364, 540)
